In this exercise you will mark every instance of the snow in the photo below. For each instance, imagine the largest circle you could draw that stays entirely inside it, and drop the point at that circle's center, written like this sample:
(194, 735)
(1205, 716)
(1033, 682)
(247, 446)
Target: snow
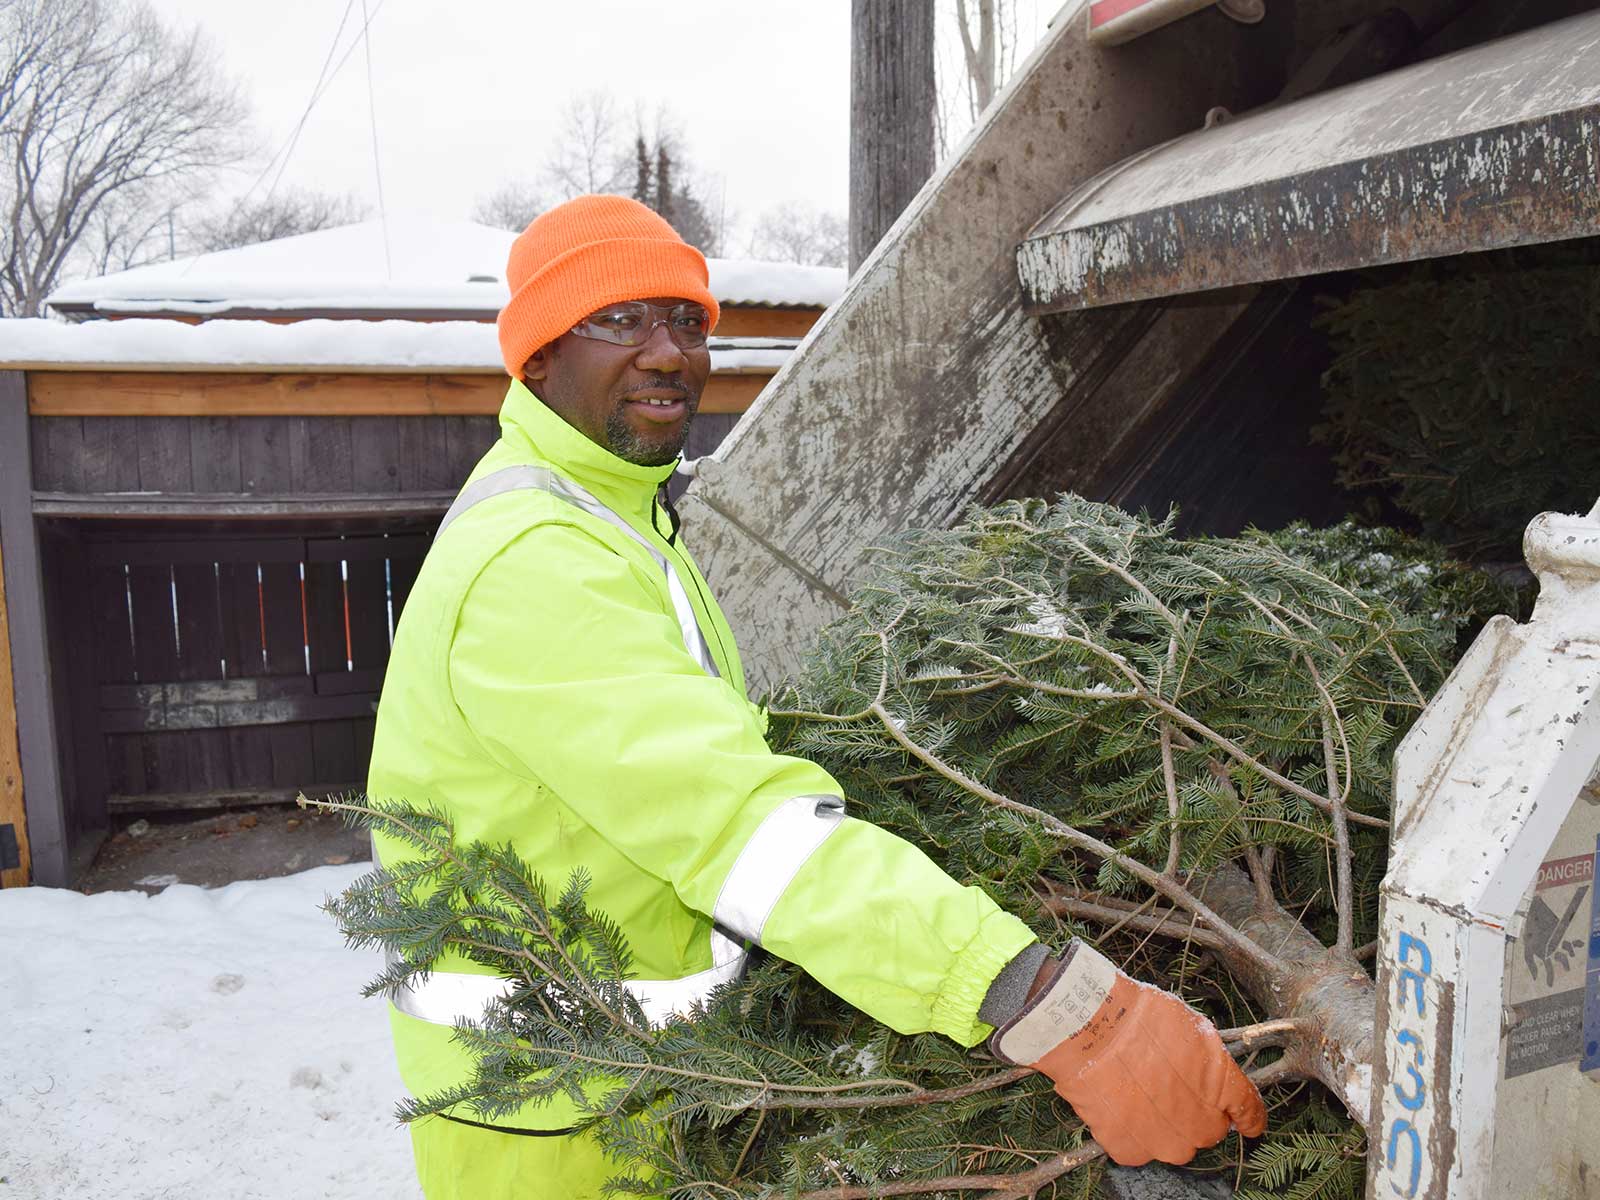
(436, 266)
(465, 346)
(194, 1043)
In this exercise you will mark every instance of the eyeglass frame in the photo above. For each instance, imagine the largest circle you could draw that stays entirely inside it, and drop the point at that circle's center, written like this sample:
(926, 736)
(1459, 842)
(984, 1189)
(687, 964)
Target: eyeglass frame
(659, 316)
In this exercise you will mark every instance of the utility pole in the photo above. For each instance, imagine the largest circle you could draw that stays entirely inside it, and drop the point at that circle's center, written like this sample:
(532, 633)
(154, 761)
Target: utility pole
(892, 100)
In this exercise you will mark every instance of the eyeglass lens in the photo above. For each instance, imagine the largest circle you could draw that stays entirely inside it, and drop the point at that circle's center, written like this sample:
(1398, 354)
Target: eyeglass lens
(632, 323)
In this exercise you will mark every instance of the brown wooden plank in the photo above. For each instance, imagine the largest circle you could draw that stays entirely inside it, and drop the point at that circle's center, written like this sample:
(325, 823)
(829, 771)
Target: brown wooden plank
(766, 322)
(364, 728)
(706, 432)
(424, 456)
(210, 767)
(214, 454)
(58, 454)
(192, 693)
(250, 756)
(109, 464)
(244, 506)
(284, 618)
(76, 663)
(52, 846)
(155, 649)
(293, 764)
(333, 749)
(261, 394)
(466, 441)
(166, 762)
(238, 797)
(200, 648)
(113, 634)
(12, 812)
(325, 616)
(263, 454)
(165, 463)
(241, 620)
(177, 717)
(319, 454)
(404, 565)
(374, 454)
(368, 591)
(731, 393)
(124, 754)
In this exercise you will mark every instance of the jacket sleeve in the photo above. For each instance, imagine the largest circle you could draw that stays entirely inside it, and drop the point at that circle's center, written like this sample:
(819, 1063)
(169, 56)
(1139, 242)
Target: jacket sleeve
(571, 673)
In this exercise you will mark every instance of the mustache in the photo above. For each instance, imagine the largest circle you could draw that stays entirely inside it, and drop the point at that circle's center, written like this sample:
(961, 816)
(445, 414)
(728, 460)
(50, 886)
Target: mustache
(666, 383)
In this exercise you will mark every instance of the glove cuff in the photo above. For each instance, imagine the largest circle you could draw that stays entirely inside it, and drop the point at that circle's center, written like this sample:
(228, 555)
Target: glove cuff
(1079, 984)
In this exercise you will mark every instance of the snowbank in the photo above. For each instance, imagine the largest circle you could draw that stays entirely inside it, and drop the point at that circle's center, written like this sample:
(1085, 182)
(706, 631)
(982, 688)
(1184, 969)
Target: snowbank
(464, 346)
(438, 266)
(193, 1043)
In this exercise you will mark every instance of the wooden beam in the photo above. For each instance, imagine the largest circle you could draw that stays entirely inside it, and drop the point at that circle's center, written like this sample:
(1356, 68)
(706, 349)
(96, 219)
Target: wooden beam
(33, 701)
(732, 393)
(12, 812)
(767, 322)
(212, 801)
(239, 505)
(258, 394)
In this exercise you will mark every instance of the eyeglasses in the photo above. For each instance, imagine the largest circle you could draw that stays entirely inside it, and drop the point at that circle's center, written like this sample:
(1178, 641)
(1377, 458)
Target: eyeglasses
(633, 323)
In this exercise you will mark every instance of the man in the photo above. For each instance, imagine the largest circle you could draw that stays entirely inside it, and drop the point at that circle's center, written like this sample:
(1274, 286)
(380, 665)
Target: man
(563, 681)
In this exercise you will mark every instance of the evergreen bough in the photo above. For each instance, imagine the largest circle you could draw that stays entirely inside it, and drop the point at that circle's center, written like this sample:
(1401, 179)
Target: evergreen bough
(1462, 391)
(1177, 749)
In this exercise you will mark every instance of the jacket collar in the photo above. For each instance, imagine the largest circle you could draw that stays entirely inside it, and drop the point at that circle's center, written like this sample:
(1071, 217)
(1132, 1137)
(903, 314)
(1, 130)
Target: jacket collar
(624, 487)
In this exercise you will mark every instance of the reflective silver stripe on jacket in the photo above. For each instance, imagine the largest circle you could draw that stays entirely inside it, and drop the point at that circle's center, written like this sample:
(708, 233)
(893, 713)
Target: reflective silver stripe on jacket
(445, 997)
(527, 477)
(771, 859)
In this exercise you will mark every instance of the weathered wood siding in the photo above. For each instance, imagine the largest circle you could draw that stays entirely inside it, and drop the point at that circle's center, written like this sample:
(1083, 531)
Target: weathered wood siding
(257, 455)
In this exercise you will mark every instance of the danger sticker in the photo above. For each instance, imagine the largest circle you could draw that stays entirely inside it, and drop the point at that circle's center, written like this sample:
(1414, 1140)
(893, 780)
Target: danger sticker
(1563, 872)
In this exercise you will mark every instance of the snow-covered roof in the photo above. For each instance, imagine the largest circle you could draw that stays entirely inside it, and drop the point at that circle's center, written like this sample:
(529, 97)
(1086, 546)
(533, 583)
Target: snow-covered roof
(422, 267)
(314, 345)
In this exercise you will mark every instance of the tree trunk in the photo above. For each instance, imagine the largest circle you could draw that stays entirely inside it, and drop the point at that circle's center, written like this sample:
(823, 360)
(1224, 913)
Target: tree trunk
(891, 114)
(1329, 992)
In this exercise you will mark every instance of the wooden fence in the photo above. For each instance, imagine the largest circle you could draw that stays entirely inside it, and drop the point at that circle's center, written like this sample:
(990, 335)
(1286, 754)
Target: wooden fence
(201, 575)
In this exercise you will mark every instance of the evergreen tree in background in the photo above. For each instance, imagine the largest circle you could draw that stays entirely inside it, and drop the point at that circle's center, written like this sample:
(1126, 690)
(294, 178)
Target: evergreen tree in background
(1178, 749)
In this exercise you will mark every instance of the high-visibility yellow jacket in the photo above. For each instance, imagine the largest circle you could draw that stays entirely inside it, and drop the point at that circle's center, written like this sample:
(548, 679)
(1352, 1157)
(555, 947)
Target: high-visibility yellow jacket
(562, 680)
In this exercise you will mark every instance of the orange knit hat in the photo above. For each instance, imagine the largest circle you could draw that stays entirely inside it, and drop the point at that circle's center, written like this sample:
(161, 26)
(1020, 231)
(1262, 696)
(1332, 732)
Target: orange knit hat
(583, 255)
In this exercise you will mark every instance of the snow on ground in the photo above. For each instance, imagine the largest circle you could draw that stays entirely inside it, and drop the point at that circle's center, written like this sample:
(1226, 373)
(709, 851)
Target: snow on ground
(193, 1044)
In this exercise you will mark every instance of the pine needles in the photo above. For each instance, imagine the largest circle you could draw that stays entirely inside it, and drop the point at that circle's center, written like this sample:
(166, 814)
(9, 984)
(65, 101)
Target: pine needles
(1102, 725)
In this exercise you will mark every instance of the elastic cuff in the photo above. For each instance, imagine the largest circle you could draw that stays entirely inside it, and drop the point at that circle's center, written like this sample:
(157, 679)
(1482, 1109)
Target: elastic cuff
(1000, 938)
(1009, 991)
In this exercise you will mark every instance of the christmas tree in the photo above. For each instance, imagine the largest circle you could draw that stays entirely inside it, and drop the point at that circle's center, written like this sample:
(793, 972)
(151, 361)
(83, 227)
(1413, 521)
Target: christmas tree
(1176, 749)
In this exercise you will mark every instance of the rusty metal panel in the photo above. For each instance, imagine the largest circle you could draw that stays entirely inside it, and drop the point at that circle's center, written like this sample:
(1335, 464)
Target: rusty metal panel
(1494, 146)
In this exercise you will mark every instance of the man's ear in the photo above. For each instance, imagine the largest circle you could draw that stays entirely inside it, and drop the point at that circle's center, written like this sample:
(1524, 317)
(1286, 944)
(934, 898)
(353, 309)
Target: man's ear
(537, 367)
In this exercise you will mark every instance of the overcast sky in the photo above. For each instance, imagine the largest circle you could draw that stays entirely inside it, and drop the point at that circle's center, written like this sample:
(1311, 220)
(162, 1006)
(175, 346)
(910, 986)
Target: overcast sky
(468, 94)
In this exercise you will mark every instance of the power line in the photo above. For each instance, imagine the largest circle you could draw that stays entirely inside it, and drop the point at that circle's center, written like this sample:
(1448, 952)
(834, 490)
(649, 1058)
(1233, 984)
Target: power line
(287, 152)
(325, 79)
(377, 167)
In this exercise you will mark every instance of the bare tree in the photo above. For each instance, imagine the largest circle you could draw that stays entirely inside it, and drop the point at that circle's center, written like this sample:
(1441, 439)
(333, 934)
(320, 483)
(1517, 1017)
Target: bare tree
(595, 151)
(796, 233)
(588, 155)
(277, 216)
(988, 39)
(510, 206)
(100, 106)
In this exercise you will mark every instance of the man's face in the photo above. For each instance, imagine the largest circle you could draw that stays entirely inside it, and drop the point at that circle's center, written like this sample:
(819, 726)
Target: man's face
(636, 401)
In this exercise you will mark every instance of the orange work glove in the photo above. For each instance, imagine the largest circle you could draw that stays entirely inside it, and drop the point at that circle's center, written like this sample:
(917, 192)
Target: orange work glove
(1146, 1073)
